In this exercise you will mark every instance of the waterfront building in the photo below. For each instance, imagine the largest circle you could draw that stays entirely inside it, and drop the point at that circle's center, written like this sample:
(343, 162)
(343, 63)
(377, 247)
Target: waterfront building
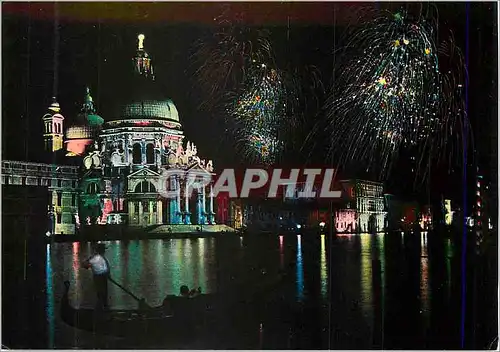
(361, 208)
(61, 181)
(364, 207)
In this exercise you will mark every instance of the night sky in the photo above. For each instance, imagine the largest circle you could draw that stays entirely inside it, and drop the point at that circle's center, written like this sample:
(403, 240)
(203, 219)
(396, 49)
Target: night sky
(98, 40)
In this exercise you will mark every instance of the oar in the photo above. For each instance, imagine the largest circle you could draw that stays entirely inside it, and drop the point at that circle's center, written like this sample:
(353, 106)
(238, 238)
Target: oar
(140, 300)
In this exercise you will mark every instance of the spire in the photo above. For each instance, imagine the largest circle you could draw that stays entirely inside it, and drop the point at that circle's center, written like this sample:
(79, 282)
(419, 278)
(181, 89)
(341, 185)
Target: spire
(54, 107)
(54, 125)
(88, 112)
(142, 61)
(88, 104)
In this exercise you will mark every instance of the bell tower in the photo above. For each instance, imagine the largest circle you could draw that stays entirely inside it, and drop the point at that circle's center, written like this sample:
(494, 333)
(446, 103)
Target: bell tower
(53, 127)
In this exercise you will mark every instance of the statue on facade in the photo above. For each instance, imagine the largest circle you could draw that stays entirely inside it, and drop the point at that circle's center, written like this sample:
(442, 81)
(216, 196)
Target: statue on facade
(210, 167)
(172, 158)
(157, 142)
(166, 141)
(194, 159)
(117, 158)
(179, 150)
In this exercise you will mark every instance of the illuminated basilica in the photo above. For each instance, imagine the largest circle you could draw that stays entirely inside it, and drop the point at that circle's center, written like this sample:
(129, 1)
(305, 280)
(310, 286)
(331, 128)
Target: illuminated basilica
(119, 162)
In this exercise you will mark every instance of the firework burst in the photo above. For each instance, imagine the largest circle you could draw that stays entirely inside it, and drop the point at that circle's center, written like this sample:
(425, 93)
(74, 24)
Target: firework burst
(256, 114)
(223, 57)
(262, 104)
(392, 95)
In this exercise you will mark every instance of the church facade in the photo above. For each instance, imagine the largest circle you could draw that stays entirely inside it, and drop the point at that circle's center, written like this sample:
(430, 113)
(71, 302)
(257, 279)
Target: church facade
(122, 167)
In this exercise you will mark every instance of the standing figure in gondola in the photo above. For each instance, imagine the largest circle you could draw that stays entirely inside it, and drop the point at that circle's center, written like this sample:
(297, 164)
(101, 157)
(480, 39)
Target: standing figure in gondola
(100, 269)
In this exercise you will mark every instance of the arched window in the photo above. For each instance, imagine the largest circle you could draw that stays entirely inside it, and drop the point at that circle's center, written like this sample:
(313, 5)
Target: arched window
(150, 154)
(145, 187)
(137, 154)
(92, 188)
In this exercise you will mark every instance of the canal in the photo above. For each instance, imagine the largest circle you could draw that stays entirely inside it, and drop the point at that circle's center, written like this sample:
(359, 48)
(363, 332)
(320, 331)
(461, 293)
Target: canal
(367, 291)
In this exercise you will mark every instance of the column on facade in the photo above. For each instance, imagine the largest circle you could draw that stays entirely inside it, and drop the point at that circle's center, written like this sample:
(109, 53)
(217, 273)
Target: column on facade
(143, 152)
(177, 215)
(211, 209)
(159, 212)
(203, 204)
(187, 214)
(158, 153)
(131, 210)
(151, 213)
(125, 147)
(200, 205)
(140, 213)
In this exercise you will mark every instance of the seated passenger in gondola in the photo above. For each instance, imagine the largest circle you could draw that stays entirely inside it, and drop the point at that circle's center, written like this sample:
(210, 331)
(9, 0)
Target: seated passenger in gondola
(184, 291)
(193, 293)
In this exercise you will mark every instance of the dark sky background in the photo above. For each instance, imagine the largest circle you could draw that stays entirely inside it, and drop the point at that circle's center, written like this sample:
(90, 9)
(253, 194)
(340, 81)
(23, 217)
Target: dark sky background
(98, 40)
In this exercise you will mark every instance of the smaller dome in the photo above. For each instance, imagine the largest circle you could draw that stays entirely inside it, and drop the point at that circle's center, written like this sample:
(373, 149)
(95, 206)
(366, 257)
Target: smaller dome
(54, 110)
(54, 107)
(79, 132)
(93, 119)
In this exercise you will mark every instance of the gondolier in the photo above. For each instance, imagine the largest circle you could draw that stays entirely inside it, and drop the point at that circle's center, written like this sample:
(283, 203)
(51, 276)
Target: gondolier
(100, 269)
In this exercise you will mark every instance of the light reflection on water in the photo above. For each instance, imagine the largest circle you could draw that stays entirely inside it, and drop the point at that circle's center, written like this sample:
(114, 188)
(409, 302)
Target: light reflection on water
(155, 268)
(366, 274)
(448, 256)
(282, 254)
(50, 297)
(323, 269)
(424, 275)
(300, 270)
(149, 269)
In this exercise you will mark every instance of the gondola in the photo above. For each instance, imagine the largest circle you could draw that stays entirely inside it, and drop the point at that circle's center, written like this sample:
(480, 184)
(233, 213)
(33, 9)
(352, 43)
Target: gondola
(178, 316)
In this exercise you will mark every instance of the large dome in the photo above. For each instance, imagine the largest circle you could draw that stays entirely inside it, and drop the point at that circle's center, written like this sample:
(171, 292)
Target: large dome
(144, 98)
(150, 109)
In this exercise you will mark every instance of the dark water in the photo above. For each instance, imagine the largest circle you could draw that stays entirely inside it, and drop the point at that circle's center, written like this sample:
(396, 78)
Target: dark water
(365, 291)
